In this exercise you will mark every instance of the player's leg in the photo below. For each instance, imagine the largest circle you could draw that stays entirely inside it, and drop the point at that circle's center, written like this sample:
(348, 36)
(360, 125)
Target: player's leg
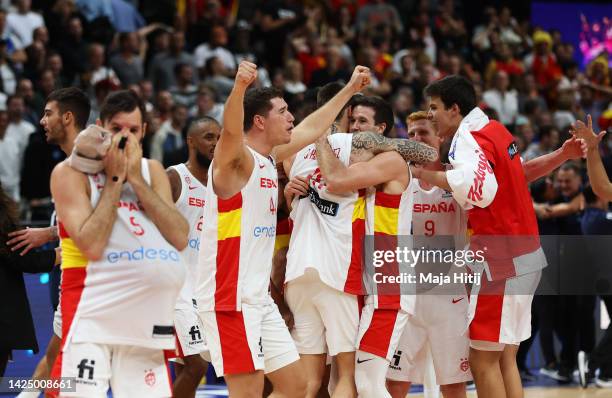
(281, 359)
(308, 331)
(345, 386)
(485, 365)
(190, 341)
(245, 385)
(379, 334)
(510, 372)
(398, 389)
(456, 390)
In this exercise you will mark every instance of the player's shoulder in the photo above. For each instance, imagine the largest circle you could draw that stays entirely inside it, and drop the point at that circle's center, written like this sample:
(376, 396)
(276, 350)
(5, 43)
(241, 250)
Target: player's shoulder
(65, 171)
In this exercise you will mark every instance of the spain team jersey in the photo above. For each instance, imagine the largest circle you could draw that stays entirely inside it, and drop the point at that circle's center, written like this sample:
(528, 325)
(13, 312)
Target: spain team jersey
(389, 216)
(328, 229)
(237, 241)
(127, 297)
(190, 204)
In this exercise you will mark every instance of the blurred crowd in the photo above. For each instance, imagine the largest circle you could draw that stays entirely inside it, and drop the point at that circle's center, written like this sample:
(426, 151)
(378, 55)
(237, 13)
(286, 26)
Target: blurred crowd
(180, 58)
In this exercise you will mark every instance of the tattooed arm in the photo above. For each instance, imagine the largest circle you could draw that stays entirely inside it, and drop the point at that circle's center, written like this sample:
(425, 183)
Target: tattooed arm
(367, 145)
(380, 169)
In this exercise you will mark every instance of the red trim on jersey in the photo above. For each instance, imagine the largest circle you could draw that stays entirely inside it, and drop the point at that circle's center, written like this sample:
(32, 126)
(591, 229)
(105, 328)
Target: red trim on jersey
(73, 284)
(235, 350)
(233, 203)
(168, 354)
(387, 200)
(353, 283)
(62, 231)
(226, 277)
(377, 338)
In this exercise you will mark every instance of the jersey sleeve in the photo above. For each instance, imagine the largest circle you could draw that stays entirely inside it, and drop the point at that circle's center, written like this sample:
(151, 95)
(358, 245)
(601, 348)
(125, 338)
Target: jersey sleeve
(472, 180)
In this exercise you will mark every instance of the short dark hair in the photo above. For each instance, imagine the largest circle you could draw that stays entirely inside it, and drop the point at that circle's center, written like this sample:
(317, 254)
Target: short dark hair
(257, 101)
(72, 99)
(383, 113)
(201, 120)
(454, 89)
(327, 92)
(572, 166)
(121, 101)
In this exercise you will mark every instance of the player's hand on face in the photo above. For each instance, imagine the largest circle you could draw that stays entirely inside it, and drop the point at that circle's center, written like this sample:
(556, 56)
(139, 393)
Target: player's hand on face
(246, 74)
(115, 161)
(134, 156)
(360, 79)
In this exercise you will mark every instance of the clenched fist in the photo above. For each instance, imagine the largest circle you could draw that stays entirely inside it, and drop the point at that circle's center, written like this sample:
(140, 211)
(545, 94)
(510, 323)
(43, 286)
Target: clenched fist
(247, 73)
(360, 78)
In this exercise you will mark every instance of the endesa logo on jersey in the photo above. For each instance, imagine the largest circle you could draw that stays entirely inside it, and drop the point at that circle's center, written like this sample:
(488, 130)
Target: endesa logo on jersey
(264, 231)
(475, 192)
(143, 254)
(326, 207)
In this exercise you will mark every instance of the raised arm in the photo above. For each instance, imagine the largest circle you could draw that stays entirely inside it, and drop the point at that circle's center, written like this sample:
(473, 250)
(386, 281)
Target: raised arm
(233, 162)
(340, 179)
(156, 199)
(541, 166)
(366, 145)
(595, 168)
(89, 228)
(318, 122)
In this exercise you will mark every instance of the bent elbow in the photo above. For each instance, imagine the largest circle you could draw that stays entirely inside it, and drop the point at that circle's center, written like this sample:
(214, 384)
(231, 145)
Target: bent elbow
(94, 253)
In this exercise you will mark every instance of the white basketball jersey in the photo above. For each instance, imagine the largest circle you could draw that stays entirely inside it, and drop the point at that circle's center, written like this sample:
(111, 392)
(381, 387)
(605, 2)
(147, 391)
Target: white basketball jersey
(127, 297)
(327, 228)
(237, 241)
(190, 204)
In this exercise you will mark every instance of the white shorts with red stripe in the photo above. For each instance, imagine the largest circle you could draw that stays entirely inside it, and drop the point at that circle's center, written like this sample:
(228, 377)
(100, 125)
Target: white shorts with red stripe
(245, 341)
(326, 320)
(439, 325)
(380, 330)
(189, 334)
(500, 311)
(128, 370)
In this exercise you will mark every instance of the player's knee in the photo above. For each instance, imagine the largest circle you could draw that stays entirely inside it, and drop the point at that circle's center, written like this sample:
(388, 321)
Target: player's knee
(455, 390)
(398, 389)
(195, 367)
(312, 386)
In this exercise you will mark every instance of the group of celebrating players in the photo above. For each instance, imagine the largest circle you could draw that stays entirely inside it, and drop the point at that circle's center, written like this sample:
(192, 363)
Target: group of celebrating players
(190, 264)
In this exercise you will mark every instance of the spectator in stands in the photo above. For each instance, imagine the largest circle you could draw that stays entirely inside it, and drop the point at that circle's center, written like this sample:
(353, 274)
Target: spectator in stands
(548, 140)
(33, 102)
(184, 92)
(169, 137)
(8, 78)
(294, 78)
(207, 105)
(126, 18)
(127, 62)
(216, 78)
(377, 13)
(161, 71)
(73, 49)
(543, 63)
(21, 24)
(96, 70)
(335, 69)
(12, 148)
(216, 47)
(503, 99)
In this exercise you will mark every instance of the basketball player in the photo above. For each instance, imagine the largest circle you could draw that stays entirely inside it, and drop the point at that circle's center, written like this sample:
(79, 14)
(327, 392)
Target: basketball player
(488, 177)
(597, 173)
(120, 236)
(188, 185)
(65, 115)
(245, 333)
(323, 278)
(439, 315)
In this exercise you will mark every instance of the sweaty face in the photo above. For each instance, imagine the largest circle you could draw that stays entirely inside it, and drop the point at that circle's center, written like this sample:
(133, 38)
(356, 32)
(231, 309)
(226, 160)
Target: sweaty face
(442, 119)
(126, 123)
(279, 122)
(204, 142)
(51, 122)
(423, 131)
(362, 119)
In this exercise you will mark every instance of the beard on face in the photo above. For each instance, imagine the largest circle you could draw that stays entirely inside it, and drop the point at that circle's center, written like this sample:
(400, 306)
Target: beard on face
(203, 160)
